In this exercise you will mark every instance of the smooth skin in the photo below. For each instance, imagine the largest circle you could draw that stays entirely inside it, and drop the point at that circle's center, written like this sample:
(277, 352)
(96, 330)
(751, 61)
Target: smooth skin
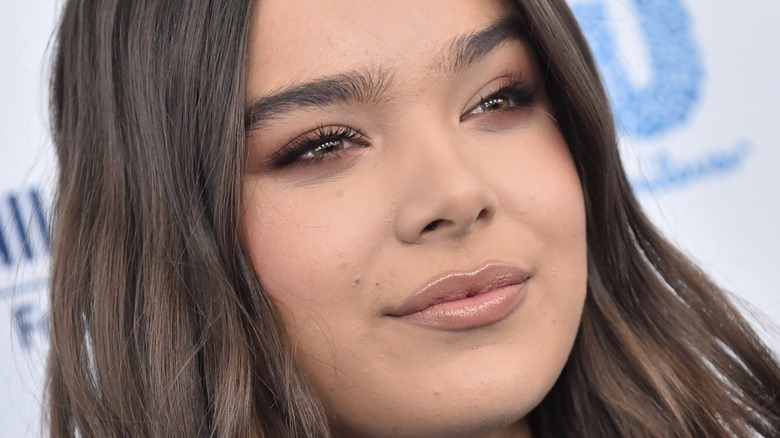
(444, 175)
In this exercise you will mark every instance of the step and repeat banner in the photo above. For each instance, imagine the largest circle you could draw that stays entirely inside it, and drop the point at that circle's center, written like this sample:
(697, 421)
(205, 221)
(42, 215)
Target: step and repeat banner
(695, 85)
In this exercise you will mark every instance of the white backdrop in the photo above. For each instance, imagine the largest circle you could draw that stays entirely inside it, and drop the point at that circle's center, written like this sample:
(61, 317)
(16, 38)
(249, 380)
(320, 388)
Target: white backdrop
(696, 85)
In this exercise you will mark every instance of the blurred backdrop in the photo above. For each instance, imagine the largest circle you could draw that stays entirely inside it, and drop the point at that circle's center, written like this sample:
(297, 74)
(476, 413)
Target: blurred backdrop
(695, 85)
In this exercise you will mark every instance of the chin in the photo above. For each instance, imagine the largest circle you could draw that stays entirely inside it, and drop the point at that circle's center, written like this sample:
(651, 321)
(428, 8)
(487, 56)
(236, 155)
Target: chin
(474, 394)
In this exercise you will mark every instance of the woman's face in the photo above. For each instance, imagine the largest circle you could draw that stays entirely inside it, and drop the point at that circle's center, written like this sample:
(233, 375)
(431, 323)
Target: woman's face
(413, 210)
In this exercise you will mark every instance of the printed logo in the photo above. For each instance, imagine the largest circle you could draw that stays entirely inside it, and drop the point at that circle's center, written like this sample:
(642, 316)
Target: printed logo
(24, 235)
(25, 247)
(31, 323)
(668, 100)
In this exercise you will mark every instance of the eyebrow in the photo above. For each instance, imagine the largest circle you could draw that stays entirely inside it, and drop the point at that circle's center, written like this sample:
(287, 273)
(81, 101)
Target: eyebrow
(468, 50)
(371, 85)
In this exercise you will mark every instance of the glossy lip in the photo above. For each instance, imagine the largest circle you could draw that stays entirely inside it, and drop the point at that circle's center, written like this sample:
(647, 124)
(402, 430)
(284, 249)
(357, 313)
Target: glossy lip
(460, 300)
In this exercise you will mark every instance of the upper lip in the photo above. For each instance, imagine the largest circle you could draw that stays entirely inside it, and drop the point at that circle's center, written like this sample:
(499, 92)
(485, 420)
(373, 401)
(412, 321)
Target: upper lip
(456, 285)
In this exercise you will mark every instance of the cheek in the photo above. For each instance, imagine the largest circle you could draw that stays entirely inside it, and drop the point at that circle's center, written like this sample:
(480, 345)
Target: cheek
(308, 247)
(541, 194)
(543, 202)
(322, 254)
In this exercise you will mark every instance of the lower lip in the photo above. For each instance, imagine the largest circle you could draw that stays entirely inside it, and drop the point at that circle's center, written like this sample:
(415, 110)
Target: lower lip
(472, 312)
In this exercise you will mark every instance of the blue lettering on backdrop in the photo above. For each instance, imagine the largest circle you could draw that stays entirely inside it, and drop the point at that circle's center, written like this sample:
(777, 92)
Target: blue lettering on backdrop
(669, 174)
(670, 97)
(32, 325)
(24, 238)
(28, 223)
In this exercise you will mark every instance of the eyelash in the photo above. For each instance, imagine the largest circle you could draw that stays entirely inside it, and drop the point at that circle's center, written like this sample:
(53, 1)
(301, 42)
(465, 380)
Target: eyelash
(293, 152)
(523, 94)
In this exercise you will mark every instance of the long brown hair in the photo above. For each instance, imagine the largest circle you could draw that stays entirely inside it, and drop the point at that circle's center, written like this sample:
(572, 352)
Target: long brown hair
(160, 327)
(661, 351)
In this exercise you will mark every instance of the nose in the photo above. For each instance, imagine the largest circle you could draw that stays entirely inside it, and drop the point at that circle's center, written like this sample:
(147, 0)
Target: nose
(446, 196)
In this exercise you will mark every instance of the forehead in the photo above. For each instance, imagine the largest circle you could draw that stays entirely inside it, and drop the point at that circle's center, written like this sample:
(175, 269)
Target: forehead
(298, 40)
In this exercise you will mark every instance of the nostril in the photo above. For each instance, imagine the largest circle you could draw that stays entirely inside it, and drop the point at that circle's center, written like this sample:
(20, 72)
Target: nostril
(483, 214)
(433, 225)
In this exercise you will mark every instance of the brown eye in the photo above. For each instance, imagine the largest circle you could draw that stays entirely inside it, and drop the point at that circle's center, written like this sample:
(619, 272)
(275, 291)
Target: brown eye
(321, 144)
(493, 104)
(326, 147)
(510, 97)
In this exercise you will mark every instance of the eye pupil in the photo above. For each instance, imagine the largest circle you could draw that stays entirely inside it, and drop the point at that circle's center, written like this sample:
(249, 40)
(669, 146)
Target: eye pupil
(328, 146)
(497, 103)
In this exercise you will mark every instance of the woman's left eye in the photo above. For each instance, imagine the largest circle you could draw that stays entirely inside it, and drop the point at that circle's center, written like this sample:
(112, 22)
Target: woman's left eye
(494, 104)
(510, 97)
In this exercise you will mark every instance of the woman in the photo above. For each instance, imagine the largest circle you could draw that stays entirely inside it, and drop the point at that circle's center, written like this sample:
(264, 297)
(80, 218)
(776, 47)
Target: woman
(353, 218)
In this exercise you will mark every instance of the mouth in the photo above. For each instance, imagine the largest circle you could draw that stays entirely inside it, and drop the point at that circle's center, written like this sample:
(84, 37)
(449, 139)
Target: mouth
(463, 300)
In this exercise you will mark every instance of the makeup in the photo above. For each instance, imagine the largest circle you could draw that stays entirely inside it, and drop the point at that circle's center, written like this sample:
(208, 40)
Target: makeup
(420, 157)
(463, 300)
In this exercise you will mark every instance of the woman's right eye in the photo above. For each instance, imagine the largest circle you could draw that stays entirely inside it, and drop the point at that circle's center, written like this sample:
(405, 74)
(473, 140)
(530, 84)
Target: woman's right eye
(325, 143)
(324, 148)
